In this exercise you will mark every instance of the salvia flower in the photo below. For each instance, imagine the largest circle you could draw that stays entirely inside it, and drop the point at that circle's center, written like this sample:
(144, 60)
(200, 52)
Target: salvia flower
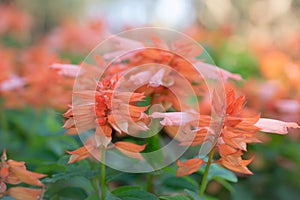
(14, 173)
(100, 115)
(237, 131)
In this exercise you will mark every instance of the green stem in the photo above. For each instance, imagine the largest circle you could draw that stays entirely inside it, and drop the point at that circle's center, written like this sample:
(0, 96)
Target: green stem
(204, 179)
(150, 179)
(103, 184)
(4, 125)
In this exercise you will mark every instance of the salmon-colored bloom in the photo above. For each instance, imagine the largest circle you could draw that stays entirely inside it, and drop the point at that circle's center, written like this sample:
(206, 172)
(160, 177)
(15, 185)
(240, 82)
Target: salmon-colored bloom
(130, 149)
(66, 69)
(100, 114)
(90, 148)
(22, 193)
(237, 131)
(175, 118)
(14, 173)
(14, 20)
(117, 110)
(189, 166)
(275, 126)
(13, 82)
(70, 37)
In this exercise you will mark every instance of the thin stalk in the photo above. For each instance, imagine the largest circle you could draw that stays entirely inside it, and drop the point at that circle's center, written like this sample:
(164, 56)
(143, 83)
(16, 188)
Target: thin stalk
(4, 125)
(204, 179)
(103, 184)
(150, 186)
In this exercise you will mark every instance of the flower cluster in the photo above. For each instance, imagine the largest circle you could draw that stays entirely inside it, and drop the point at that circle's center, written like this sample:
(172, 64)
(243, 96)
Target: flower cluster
(99, 115)
(107, 109)
(14, 173)
(237, 131)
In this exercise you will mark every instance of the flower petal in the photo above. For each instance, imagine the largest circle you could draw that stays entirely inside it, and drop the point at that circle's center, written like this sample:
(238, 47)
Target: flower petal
(66, 69)
(103, 136)
(175, 118)
(21, 193)
(130, 149)
(275, 126)
(188, 167)
(3, 187)
(24, 175)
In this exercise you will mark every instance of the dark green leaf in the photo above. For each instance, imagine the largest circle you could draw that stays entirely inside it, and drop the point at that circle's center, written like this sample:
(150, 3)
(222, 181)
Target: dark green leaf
(218, 172)
(177, 197)
(193, 195)
(175, 184)
(73, 193)
(133, 193)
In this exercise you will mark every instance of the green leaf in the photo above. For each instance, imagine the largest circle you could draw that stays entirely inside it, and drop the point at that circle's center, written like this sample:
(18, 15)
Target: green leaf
(110, 196)
(49, 168)
(178, 197)
(66, 175)
(112, 174)
(227, 185)
(125, 188)
(61, 188)
(175, 184)
(207, 197)
(73, 193)
(92, 197)
(81, 169)
(217, 172)
(193, 195)
(133, 193)
(153, 145)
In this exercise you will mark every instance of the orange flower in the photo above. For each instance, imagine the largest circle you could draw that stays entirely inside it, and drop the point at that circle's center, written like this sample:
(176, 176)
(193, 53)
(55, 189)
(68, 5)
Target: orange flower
(14, 20)
(89, 149)
(107, 107)
(70, 37)
(156, 78)
(68, 70)
(130, 149)
(237, 131)
(13, 173)
(13, 82)
(22, 193)
(231, 159)
(189, 166)
(101, 115)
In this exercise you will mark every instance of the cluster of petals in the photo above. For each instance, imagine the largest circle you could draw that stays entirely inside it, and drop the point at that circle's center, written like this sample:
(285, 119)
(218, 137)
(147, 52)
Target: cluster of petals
(237, 128)
(99, 114)
(237, 131)
(14, 173)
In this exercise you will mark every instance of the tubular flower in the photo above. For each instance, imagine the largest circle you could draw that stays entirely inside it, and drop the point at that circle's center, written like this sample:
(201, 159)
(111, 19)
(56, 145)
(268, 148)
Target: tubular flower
(158, 80)
(14, 173)
(189, 166)
(236, 132)
(101, 114)
(111, 109)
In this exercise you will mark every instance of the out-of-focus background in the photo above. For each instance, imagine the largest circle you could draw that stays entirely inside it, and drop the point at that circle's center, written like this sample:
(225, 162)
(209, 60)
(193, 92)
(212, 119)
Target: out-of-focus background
(258, 39)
